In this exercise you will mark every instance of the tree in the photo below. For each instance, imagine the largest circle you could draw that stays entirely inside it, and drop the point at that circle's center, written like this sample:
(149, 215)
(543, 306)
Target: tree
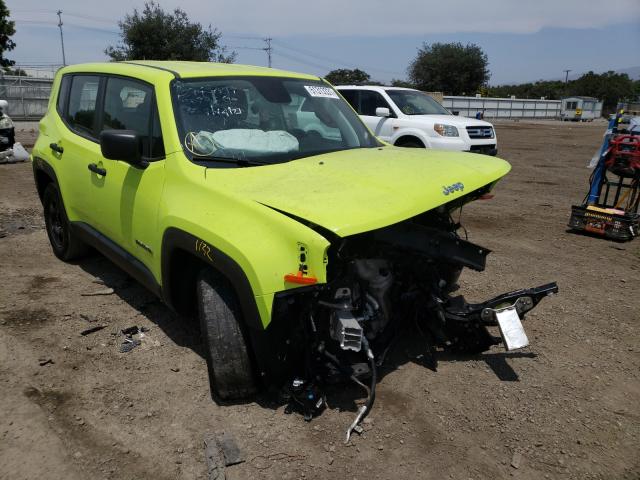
(345, 76)
(7, 29)
(14, 71)
(610, 87)
(451, 68)
(396, 82)
(154, 34)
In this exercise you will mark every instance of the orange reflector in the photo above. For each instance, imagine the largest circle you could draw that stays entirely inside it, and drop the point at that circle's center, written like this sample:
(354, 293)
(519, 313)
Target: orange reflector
(300, 278)
(487, 196)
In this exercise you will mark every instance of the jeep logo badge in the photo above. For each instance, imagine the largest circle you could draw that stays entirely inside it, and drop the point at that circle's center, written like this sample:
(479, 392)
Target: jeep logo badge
(456, 187)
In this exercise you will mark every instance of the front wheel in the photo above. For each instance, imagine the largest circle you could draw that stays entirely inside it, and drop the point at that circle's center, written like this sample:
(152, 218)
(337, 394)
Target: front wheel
(230, 370)
(64, 243)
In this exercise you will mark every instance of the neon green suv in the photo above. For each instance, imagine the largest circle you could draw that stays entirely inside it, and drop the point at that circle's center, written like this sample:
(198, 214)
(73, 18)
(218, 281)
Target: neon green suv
(257, 200)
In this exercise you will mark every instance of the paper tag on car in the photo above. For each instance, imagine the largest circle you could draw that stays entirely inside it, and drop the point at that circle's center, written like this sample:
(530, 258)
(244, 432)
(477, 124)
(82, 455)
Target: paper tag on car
(511, 329)
(323, 92)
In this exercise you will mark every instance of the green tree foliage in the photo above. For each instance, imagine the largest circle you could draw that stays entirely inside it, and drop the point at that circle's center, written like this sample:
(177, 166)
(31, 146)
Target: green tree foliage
(345, 76)
(154, 34)
(452, 68)
(396, 82)
(14, 71)
(7, 29)
(610, 87)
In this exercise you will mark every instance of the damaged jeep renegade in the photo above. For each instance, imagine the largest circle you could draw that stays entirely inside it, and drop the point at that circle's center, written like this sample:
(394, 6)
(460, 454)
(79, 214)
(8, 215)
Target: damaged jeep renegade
(257, 201)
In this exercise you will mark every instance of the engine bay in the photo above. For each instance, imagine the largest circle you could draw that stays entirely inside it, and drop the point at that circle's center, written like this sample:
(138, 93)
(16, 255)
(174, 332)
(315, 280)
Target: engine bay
(379, 283)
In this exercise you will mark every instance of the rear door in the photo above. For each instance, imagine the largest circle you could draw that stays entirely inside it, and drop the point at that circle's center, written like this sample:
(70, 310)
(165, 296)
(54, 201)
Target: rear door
(79, 145)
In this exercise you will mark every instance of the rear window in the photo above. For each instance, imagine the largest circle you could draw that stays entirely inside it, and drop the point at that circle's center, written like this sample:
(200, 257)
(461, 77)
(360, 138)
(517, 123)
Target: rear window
(63, 94)
(81, 113)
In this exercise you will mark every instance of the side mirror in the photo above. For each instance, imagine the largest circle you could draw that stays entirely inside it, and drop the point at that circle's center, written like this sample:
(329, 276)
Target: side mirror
(383, 112)
(122, 145)
(456, 112)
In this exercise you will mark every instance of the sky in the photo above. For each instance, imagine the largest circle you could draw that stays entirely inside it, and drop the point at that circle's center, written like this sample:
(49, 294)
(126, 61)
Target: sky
(525, 40)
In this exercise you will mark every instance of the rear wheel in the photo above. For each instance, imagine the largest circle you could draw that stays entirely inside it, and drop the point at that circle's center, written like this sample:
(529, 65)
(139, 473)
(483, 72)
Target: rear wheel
(230, 370)
(65, 244)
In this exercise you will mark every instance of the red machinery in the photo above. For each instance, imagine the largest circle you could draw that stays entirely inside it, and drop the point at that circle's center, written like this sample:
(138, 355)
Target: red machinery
(610, 209)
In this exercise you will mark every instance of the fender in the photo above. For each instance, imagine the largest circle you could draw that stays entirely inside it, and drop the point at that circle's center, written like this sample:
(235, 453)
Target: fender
(411, 132)
(174, 238)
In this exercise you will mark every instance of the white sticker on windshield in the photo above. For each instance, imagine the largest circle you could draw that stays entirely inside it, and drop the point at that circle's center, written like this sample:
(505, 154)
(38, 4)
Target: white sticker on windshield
(324, 92)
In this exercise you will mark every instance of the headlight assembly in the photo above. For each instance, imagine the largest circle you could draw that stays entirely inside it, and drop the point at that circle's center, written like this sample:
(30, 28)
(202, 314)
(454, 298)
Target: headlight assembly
(445, 130)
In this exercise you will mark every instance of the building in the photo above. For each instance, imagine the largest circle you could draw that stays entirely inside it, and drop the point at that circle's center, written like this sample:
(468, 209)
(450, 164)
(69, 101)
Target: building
(580, 109)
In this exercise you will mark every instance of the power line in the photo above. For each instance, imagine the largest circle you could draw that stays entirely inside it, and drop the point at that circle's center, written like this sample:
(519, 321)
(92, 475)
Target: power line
(242, 37)
(331, 60)
(301, 61)
(245, 48)
(68, 24)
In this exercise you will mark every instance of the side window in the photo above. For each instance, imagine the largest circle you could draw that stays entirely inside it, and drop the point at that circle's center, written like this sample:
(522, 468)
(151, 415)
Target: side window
(63, 94)
(129, 105)
(351, 96)
(369, 101)
(81, 113)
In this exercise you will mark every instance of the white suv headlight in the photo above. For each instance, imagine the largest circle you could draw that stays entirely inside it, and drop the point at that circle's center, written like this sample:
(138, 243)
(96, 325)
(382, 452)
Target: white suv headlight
(445, 130)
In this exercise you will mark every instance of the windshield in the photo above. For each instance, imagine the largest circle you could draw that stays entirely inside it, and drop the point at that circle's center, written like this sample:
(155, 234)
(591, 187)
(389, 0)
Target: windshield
(264, 120)
(413, 102)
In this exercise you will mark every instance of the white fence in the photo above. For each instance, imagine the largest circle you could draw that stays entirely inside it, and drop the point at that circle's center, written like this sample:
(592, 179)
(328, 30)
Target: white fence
(503, 107)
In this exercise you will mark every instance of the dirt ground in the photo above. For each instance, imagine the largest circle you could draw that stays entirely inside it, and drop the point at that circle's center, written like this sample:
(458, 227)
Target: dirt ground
(567, 407)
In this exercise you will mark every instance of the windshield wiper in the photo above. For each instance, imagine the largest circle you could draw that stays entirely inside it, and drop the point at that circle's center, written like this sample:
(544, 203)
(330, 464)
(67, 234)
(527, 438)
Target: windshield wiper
(242, 162)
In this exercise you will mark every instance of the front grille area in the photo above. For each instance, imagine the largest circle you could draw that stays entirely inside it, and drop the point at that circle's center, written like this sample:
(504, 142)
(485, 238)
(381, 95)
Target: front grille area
(480, 132)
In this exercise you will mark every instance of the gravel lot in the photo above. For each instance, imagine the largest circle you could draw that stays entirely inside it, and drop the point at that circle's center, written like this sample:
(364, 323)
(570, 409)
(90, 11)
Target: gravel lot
(567, 407)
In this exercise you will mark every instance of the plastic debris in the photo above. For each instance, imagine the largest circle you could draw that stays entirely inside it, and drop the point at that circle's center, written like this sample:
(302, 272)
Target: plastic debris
(91, 330)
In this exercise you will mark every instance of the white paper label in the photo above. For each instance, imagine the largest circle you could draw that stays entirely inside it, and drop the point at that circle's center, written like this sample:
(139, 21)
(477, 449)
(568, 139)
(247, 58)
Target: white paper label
(511, 329)
(323, 92)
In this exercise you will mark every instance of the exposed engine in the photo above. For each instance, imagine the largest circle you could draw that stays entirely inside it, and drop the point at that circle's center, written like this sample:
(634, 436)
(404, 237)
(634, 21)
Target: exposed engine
(380, 283)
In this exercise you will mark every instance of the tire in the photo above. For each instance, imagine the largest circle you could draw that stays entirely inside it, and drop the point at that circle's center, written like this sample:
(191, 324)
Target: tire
(230, 370)
(64, 243)
(411, 144)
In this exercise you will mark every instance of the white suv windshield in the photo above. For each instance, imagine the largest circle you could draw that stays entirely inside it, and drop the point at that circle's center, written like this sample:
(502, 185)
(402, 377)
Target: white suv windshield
(264, 120)
(412, 102)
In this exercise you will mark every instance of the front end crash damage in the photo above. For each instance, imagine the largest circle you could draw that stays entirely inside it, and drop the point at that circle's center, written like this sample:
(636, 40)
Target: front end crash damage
(382, 283)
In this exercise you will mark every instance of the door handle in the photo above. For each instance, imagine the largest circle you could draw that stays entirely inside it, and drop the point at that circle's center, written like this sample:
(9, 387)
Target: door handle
(56, 148)
(96, 169)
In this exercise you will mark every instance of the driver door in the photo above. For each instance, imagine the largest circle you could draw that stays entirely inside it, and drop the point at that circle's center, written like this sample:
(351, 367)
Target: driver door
(131, 195)
(365, 103)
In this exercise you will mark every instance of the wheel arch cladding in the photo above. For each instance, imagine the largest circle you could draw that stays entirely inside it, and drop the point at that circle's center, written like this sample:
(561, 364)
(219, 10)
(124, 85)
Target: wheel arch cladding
(183, 255)
(43, 175)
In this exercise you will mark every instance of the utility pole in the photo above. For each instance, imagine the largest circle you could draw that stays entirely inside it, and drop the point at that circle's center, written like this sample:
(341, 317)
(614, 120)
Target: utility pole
(566, 76)
(268, 48)
(64, 60)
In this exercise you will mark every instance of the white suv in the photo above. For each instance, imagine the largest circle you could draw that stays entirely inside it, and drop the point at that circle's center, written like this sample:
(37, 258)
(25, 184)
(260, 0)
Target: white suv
(411, 118)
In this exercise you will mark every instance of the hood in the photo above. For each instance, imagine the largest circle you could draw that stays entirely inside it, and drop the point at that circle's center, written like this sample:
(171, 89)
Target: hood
(455, 120)
(355, 191)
